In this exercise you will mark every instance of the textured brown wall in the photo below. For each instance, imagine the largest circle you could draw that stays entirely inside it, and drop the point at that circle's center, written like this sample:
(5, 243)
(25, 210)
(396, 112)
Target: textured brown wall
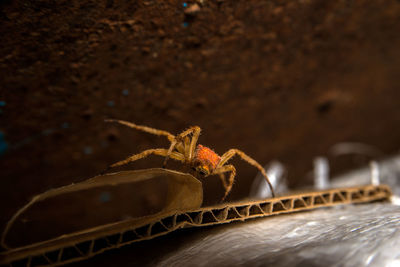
(280, 80)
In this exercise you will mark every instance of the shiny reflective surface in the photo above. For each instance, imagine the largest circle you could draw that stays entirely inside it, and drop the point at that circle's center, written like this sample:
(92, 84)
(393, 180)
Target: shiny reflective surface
(359, 235)
(352, 235)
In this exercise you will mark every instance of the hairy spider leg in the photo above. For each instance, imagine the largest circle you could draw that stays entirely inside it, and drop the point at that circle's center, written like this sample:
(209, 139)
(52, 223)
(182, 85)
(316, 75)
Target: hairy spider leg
(222, 178)
(195, 138)
(146, 129)
(228, 186)
(232, 152)
(185, 147)
(158, 151)
(195, 130)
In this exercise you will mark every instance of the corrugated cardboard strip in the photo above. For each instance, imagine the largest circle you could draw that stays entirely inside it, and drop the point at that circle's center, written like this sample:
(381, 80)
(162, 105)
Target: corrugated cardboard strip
(181, 210)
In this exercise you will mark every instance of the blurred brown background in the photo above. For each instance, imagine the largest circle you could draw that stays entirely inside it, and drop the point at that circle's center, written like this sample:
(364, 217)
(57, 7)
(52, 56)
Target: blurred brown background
(283, 80)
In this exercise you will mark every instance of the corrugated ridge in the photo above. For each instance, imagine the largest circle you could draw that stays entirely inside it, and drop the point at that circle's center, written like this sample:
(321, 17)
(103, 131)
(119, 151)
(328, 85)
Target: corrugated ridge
(80, 246)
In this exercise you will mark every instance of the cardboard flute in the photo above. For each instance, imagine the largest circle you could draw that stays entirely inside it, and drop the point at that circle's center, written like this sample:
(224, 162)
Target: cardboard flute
(178, 207)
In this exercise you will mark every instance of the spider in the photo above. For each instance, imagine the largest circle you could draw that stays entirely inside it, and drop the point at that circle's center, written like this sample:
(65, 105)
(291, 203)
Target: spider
(201, 159)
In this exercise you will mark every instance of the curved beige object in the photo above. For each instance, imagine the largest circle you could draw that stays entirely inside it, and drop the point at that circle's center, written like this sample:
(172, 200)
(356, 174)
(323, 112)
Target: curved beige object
(183, 192)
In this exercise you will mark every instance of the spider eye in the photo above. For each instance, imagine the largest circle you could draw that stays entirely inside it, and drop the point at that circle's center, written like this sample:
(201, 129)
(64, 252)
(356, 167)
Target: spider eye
(202, 171)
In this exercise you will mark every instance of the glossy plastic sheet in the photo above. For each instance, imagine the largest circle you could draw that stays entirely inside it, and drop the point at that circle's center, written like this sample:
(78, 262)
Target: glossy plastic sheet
(358, 235)
(351, 235)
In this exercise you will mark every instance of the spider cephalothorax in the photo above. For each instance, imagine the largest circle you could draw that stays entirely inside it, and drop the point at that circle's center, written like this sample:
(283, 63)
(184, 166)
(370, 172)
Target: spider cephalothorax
(205, 160)
(202, 159)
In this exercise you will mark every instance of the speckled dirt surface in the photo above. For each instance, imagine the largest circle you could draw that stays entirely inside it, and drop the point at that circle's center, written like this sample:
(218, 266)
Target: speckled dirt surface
(281, 80)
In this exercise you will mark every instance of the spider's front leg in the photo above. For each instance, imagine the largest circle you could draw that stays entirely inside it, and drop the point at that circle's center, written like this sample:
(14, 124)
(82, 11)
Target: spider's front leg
(144, 128)
(182, 139)
(232, 152)
(228, 186)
